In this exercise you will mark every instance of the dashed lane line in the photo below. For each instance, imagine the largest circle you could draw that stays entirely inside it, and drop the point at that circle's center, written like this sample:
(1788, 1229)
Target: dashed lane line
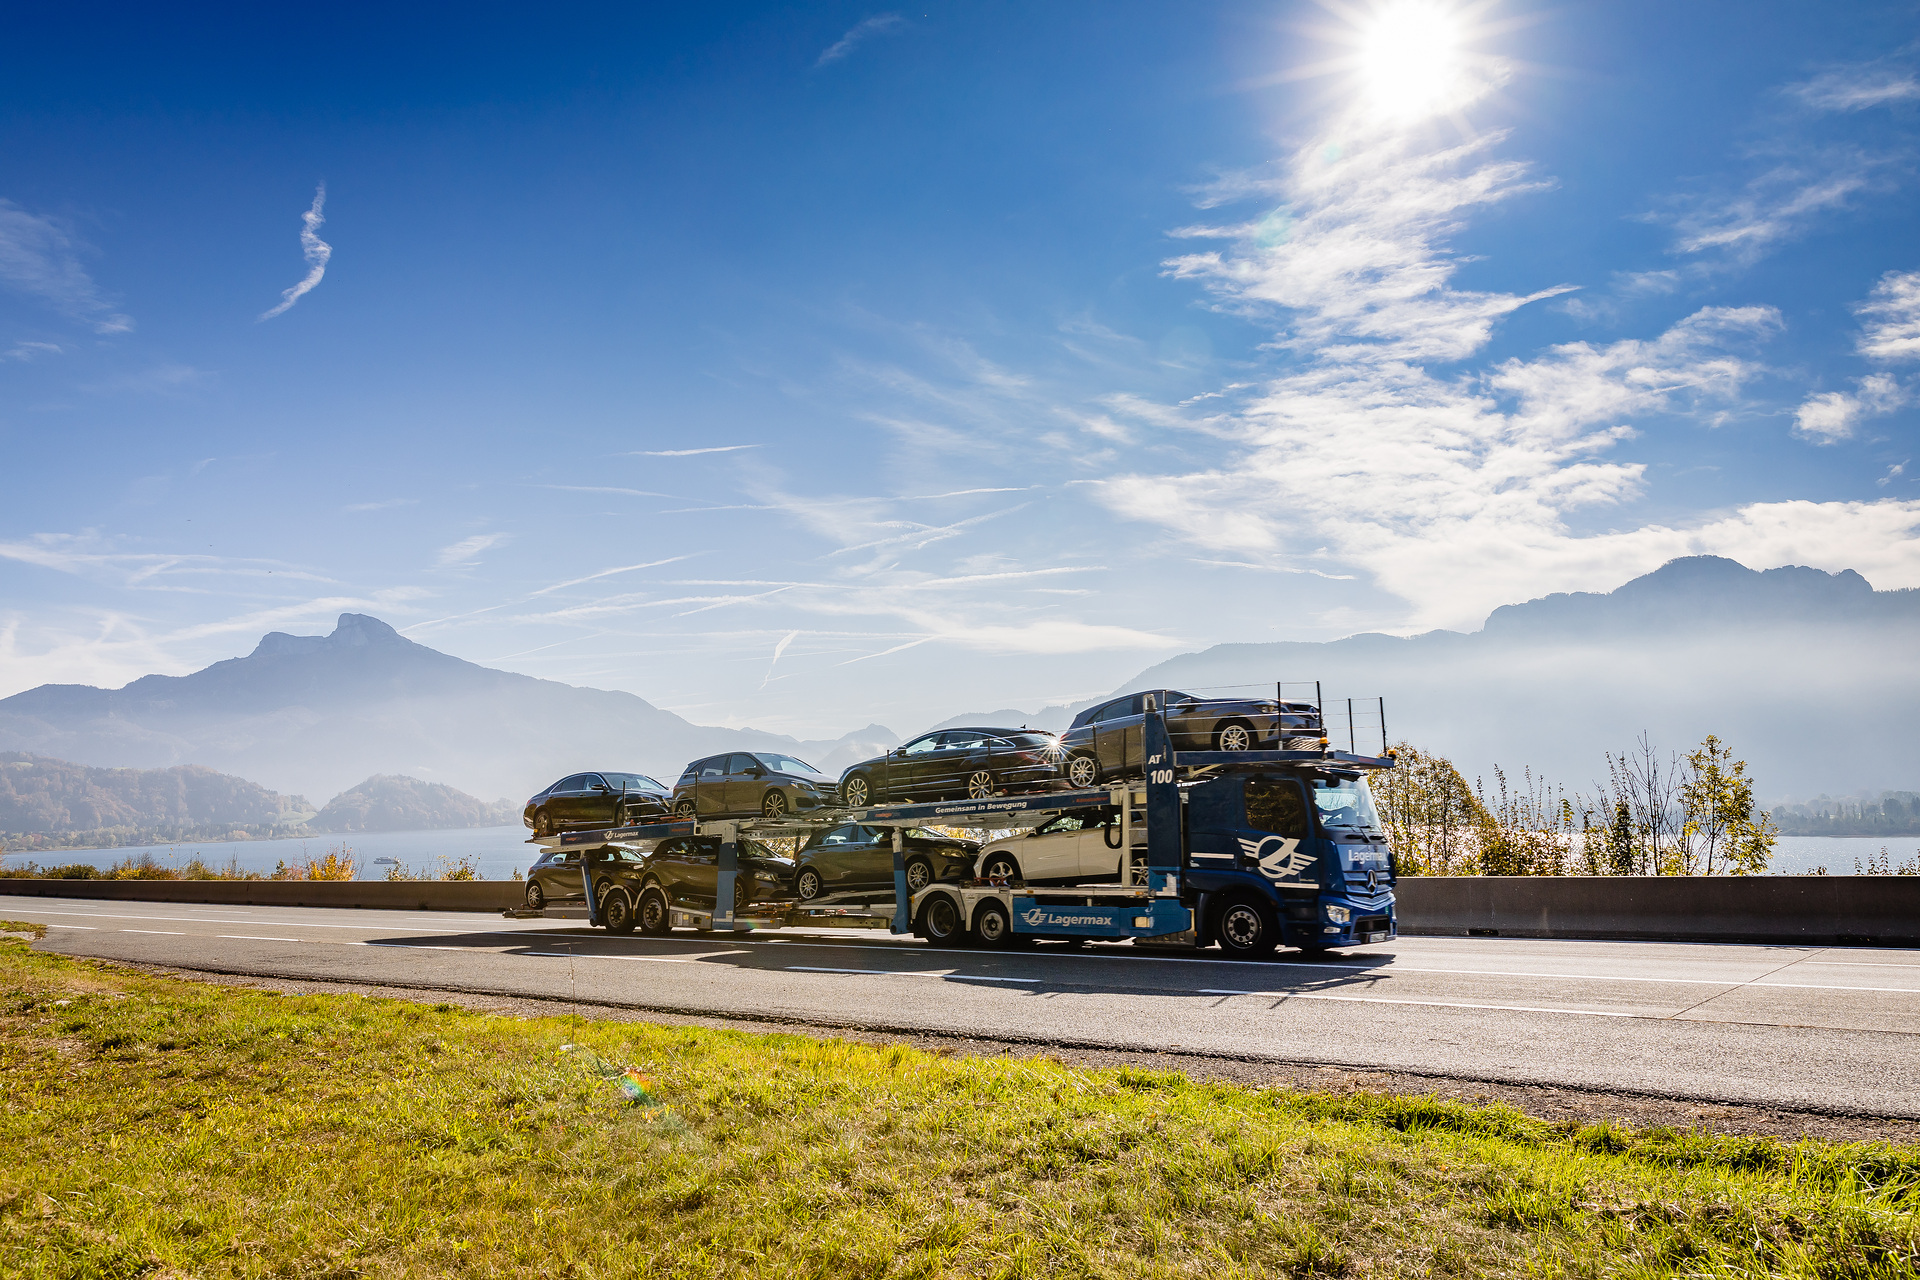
(1425, 1004)
(910, 973)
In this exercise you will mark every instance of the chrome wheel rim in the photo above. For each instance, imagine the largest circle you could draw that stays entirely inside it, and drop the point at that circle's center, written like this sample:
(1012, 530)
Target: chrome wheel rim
(993, 926)
(943, 919)
(1240, 926)
(1235, 738)
(980, 785)
(1080, 771)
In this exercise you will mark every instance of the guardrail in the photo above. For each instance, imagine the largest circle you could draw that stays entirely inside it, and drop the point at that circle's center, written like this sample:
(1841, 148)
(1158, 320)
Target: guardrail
(1808, 910)
(405, 895)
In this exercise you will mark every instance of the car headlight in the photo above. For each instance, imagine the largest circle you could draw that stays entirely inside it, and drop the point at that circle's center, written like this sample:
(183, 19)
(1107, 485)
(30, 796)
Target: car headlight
(1339, 915)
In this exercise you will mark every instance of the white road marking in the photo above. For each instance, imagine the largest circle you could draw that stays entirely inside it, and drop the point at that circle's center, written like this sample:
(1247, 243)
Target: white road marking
(1425, 1004)
(171, 933)
(86, 927)
(254, 937)
(906, 973)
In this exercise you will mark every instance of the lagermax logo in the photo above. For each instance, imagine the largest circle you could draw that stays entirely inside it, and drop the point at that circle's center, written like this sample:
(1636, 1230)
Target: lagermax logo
(1035, 915)
(1280, 857)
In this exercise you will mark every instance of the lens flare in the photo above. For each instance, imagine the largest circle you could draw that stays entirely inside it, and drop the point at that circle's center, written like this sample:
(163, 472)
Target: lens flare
(1410, 58)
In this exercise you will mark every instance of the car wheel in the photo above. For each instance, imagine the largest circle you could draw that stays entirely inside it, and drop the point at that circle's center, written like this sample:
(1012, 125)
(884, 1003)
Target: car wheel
(654, 918)
(773, 805)
(919, 874)
(542, 825)
(979, 785)
(1082, 771)
(1246, 929)
(940, 921)
(1000, 864)
(684, 809)
(992, 926)
(808, 884)
(536, 896)
(857, 791)
(1235, 735)
(616, 911)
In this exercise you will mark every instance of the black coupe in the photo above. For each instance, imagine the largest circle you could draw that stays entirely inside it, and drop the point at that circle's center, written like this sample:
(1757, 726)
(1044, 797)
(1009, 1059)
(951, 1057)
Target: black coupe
(1106, 742)
(950, 763)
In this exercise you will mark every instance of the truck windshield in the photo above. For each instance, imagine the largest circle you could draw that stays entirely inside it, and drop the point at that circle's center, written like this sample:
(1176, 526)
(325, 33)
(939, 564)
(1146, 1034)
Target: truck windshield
(1344, 804)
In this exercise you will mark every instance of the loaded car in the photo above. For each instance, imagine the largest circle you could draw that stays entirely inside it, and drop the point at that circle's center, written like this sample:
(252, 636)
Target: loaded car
(639, 890)
(950, 763)
(589, 801)
(852, 856)
(1105, 742)
(740, 784)
(555, 876)
(1074, 848)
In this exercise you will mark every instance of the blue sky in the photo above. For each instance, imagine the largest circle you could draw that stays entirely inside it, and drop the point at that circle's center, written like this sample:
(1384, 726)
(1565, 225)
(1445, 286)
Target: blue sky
(804, 367)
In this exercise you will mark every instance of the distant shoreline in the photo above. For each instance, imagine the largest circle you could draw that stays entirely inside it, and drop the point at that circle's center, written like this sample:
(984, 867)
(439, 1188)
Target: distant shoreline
(110, 841)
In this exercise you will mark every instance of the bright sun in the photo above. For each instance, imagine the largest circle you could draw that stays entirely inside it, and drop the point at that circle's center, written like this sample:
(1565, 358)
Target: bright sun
(1410, 58)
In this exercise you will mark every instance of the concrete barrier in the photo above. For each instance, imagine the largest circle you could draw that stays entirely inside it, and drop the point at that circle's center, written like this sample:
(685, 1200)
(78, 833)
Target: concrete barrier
(406, 895)
(1815, 910)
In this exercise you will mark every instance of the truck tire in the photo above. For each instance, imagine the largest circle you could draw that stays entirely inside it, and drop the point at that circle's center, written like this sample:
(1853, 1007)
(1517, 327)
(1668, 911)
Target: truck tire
(1245, 929)
(992, 926)
(940, 921)
(616, 911)
(652, 915)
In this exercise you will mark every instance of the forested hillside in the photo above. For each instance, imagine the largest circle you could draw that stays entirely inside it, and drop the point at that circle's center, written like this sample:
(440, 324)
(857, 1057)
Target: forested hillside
(394, 802)
(58, 802)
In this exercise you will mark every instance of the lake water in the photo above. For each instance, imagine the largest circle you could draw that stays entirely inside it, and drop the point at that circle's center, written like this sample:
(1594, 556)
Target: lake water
(497, 852)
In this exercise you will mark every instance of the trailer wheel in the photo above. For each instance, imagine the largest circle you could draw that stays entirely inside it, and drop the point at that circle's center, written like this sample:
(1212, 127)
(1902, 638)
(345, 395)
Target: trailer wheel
(979, 785)
(616, 911)
(992, 926)
(1234, 735)
(1245, 929)
(808, 884)
(940, 922)
(1082, 771)
(652, 915)
(536, 896)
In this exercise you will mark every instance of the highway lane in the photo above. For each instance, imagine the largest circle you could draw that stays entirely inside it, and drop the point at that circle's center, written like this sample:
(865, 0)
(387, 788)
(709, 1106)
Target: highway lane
(1799, 1027)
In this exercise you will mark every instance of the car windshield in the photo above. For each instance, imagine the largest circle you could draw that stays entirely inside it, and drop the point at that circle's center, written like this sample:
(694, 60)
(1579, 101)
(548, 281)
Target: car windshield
(786, 764)
(1344, 803)
(632, 782)
(1032, 739)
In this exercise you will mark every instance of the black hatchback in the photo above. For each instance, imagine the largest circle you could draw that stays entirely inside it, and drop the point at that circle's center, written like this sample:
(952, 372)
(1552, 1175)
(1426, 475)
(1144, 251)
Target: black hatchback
(591, 801)
(950, 763)
(1108, 741)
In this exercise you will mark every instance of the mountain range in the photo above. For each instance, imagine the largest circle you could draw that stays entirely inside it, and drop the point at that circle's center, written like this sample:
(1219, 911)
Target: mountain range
(1808, 675)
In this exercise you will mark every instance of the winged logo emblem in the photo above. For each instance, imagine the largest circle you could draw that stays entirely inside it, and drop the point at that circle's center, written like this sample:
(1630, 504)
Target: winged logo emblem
(1280, 857)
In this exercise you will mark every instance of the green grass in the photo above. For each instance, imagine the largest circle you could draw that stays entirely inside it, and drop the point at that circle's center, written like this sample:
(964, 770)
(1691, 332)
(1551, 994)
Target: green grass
(168, 1128)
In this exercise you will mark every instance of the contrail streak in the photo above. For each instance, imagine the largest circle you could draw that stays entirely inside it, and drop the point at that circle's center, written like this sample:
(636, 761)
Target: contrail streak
(317, 252)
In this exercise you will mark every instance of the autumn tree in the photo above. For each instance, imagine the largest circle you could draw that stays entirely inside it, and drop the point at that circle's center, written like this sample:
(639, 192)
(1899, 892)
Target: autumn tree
(1719, 834)
(1430, 814)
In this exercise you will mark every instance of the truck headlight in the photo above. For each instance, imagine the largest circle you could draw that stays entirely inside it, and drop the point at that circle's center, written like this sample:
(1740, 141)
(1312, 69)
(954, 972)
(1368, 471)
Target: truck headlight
(1339, 915)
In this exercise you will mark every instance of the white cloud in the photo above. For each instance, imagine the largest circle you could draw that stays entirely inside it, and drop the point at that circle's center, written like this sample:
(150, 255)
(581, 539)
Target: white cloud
(1892, 318)
(857, 34)
(40, 258)
(24, 351)
(1831, 416)
(1857, 88)
(316, 251)
(1777, 206)
(468, 550)
(688, 453)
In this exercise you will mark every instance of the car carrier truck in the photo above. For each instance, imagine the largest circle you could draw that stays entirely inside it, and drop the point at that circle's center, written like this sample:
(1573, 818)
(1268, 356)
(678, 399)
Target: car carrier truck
(1247, 850)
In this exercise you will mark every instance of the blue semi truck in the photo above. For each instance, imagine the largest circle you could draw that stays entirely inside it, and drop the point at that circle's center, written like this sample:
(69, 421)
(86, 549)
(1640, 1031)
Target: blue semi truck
(1246, 850)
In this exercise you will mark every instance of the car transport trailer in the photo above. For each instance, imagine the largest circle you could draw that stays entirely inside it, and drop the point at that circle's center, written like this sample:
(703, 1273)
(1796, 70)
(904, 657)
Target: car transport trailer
(1246, 849)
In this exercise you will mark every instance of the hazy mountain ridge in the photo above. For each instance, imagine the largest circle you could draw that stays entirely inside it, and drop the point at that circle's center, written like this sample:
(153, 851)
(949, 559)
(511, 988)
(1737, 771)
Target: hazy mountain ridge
(38, 794)
(321, 713)
(394, 802)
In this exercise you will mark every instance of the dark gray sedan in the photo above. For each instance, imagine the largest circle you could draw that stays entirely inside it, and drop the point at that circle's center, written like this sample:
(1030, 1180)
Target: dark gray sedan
(852, 856)
(1107, 742)
(950, 763)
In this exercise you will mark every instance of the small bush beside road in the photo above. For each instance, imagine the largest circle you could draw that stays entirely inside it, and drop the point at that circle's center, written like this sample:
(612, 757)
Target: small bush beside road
(156, 1126)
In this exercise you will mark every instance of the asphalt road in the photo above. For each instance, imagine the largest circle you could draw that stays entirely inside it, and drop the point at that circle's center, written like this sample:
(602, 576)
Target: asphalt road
(1806, 1028)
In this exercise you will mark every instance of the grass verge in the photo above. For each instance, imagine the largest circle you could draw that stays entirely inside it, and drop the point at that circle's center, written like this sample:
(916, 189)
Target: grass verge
(160, 1127)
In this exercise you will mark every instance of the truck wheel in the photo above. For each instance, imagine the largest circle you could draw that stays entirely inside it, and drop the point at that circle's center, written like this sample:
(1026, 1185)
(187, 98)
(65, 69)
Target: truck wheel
(1082, 771)
(992, 926)
(1234, 735)
(616, 912)
(536, 896)
(1246, 929)
(653, 916)
(808, 884)
(940, 921)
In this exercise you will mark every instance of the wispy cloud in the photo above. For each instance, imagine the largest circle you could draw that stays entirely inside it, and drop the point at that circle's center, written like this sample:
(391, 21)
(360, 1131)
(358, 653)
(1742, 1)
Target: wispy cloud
(1778, 205)
(778, 649)
(1856, 88)
(24, 351)
(41, 258)
(608, 573)
(313, 248)
(688, 453)
(387, 505)
(858, 34)
(468, 550)
(1891, 316)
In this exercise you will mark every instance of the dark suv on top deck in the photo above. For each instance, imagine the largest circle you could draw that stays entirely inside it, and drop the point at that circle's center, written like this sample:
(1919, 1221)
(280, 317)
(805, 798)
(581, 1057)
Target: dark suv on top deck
(950, 763)
(1106, 742)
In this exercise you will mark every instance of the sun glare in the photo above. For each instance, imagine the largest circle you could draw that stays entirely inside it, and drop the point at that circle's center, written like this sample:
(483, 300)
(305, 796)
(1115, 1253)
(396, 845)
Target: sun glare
(1410, 58)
